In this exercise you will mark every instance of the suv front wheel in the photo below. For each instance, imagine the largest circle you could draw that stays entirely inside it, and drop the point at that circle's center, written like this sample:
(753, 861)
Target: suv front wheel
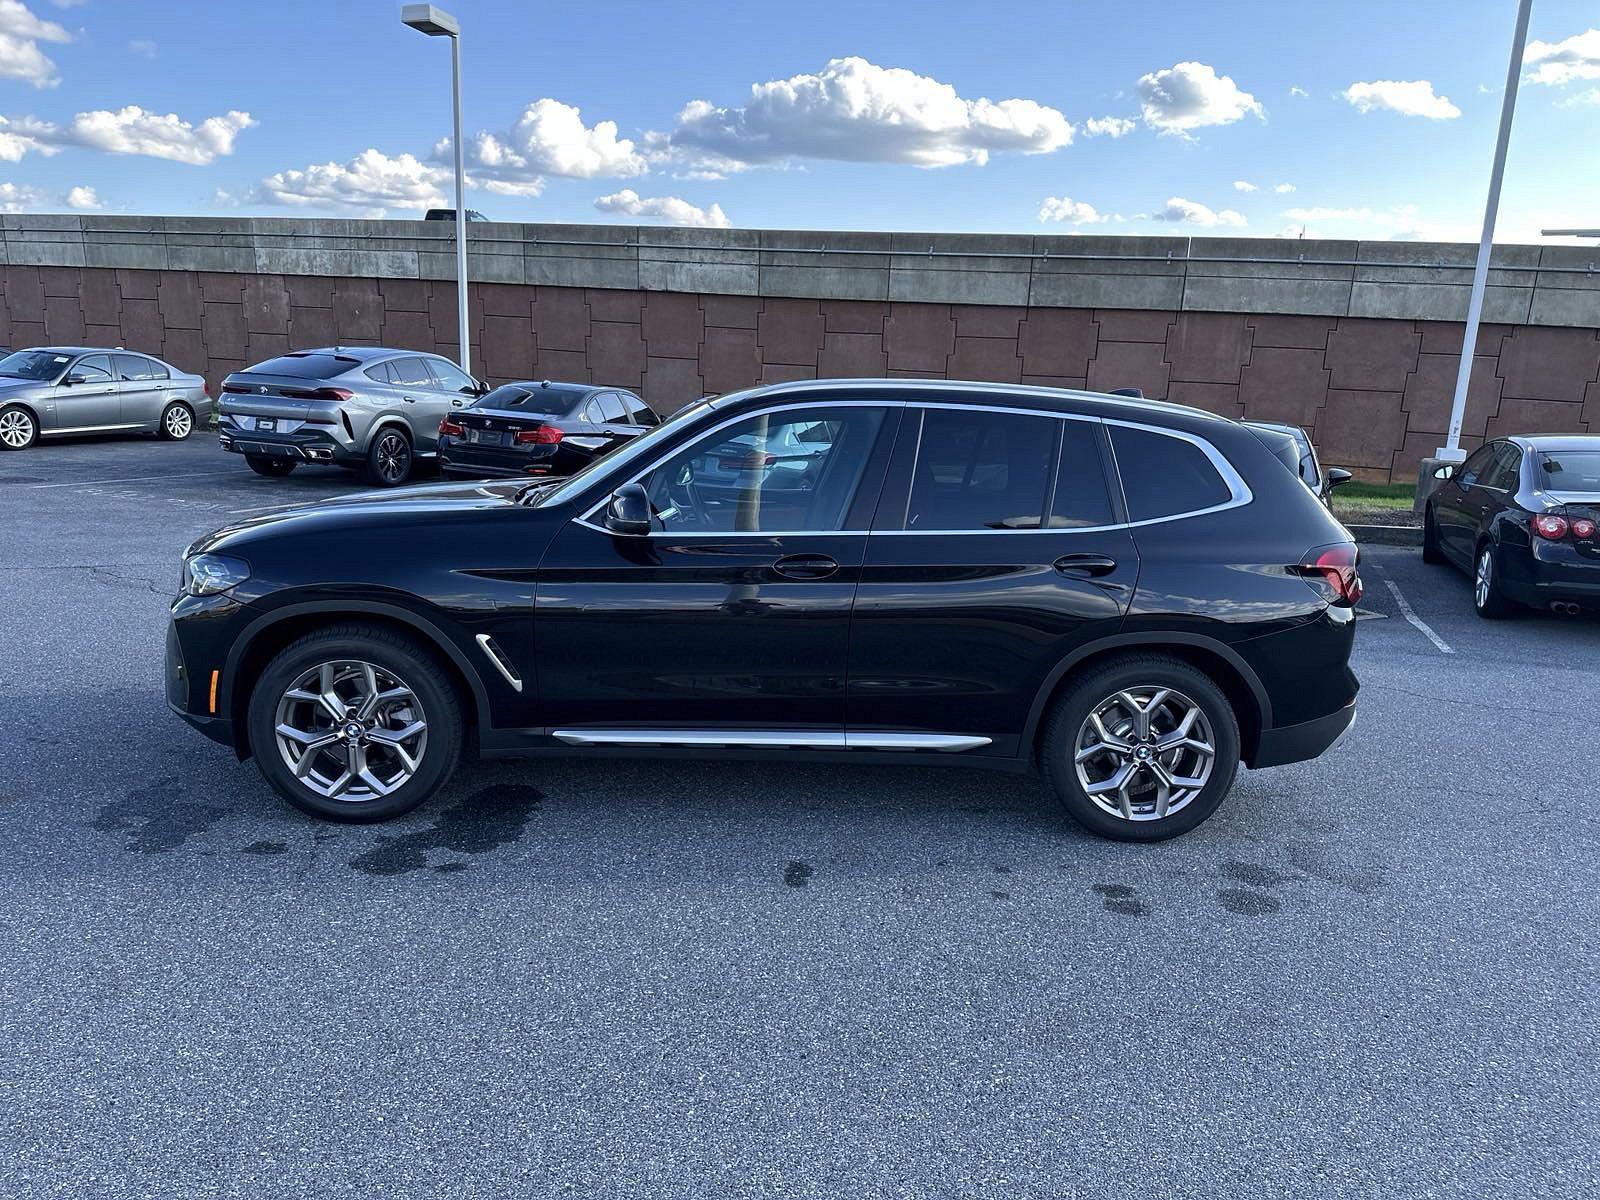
(1142, 748)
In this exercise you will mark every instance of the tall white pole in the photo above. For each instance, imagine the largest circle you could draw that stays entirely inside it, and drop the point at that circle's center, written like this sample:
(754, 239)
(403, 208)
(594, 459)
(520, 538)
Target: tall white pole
(461, 207)
(1451, 451)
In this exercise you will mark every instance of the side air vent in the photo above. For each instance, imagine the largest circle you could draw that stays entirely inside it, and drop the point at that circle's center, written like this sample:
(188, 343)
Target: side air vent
(498, 657)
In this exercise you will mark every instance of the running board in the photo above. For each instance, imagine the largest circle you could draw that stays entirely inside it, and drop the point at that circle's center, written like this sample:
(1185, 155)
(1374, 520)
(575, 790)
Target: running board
(772, 738)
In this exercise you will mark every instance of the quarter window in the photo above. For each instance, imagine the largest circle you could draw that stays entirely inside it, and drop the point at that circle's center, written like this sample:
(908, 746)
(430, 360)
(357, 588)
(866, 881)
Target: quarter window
(980, 469)
(638, 410)
(783, 472)
(609, 408)
(1165, 476)
(379, 373)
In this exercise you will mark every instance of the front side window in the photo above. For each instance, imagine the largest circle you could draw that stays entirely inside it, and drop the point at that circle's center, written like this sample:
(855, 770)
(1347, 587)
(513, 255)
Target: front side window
(1504, 470)
(450, 377)
(94, 368)
(979, 469)
(1473, 469)
(783, 472)
(1165, 476)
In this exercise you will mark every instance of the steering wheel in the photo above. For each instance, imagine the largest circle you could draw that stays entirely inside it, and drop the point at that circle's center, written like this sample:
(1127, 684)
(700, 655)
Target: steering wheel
(685, 497)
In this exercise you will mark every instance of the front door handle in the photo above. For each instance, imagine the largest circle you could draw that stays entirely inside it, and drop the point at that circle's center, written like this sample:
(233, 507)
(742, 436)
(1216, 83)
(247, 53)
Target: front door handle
(409, 399)
(1088, 564)
(805, 566)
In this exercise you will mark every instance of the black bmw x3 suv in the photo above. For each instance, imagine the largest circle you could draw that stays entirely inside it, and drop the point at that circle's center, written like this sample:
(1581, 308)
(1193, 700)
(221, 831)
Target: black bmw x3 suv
(1132, 597)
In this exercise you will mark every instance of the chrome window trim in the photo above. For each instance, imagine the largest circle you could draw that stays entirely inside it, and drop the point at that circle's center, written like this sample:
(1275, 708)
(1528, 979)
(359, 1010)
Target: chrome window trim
(788, 739)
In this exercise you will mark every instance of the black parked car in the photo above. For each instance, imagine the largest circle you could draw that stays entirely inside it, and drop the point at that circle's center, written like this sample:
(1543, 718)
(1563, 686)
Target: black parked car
(1292, 446)
(539, 428)
(1519, 516)
(1132, 596)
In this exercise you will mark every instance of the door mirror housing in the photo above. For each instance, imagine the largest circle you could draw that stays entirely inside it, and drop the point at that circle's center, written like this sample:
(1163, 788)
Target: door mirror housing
(1448, 471)
(1338, 475)
(628, 513)
(479, 388)
(73, 377)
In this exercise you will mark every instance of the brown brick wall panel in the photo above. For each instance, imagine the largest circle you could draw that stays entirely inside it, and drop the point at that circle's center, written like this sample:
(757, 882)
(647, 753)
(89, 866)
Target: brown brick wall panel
(1133, 325)
(1537, 416)
(1291, 333)
(1058, 341)
(225, 287)
(222, 329)
(853, 316)
(1372, 355)
(309, 291)
(25, 295)
(616, 352)
(852, 356)
(442, 311)
(27, 333)
(991, 360)
(1444, 337)
(920, 338)
(101, 299)
(1540, 363)
(1077, 382)
(564, 366)
(309, 328)
(186, 350)
(357, 312)
(790, 332)
(266, 304)
(789, 373)
(404, 295)
(1360, 429)
(730, 360)
(102, 335)
(1591, 408)
(615, 305)
(407, 330)
(509, 299)
(673, 325)
(987, 320)
(561, 319)
(179, 296)
(1283, 385)
(259, 347)
(1219, 398)
(1417, 446)
(1141, 365)
(63, 320)
(1208, 347)
(731, 312)
(61, 281)
(508, 349)
(137, 285)
(670, 383)
(1431, 388)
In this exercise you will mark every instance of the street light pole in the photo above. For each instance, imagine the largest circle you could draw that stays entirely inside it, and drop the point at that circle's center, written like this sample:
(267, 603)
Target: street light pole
(1451, 451)
(435, 22)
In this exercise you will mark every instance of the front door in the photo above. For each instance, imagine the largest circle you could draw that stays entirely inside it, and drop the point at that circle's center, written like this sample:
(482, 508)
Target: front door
(93, 401)
(996, 551)
(1465, 501)
(732, 617)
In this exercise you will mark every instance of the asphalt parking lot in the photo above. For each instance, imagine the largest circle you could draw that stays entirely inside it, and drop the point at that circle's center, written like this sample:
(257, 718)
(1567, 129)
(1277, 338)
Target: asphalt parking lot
(1373, 975)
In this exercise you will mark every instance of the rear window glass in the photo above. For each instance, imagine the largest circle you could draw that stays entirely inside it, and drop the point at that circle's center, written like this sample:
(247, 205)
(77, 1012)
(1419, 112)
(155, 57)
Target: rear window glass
(1164, 476)
(521, 398)
(1570, 470)
(305, 366)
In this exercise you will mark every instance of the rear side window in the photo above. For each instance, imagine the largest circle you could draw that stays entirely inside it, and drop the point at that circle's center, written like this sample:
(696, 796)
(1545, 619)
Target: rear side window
(306, 366)
(410, 372)
(608, 406)
(980, 469)
(137, 367)
(1164, 476)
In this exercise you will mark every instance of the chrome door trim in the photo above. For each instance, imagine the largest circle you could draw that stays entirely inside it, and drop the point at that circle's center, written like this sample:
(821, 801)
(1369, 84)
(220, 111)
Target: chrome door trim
(772, 738)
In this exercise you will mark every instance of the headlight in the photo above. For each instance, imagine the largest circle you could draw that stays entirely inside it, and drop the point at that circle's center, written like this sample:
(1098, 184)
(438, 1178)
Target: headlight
(208, 574)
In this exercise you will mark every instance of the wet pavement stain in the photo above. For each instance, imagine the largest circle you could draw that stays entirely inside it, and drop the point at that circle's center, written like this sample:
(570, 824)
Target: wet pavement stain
(798, 874)
(1000, 895)
(266, 849)
(489, 818)
(1256, 875)
(1121, 899)
(450, 868)
(157, 820)
(1245, 903)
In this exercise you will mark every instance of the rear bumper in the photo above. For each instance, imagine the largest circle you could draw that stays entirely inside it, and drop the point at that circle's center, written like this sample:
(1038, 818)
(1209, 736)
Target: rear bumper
(1550, 571)
(299, 447)
(1309, 739)
(466, 461)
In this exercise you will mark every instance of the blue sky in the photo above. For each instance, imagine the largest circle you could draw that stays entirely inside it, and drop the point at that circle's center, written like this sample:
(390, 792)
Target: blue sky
(1160, 118)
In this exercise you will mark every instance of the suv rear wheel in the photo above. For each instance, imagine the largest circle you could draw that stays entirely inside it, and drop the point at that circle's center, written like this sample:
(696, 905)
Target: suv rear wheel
(355, 723)
(389, 458)
(1142, 748)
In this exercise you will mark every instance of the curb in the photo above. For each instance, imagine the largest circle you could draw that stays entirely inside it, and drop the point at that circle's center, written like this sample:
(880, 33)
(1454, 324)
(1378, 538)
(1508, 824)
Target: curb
(1386, 535)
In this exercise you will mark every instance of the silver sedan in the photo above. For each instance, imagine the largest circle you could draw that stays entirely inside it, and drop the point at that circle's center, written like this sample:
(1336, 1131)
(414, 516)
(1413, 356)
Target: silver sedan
(54, 390)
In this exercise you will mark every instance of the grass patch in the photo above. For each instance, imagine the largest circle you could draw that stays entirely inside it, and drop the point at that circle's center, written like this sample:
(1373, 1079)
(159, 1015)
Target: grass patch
(1359, 497)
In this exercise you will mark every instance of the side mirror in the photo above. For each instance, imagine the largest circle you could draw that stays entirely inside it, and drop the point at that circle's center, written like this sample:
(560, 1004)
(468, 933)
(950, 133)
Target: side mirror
(75, 377)
(628, 513)
(1448, 471)
(1338, 475)
(479, 388)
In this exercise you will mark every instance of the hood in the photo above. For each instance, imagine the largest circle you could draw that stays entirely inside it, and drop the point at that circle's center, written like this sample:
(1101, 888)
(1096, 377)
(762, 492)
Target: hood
(8, 384)
(426, 504)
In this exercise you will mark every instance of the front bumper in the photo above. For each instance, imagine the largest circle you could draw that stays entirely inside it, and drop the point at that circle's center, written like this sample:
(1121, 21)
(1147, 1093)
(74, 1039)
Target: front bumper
(1309, 739)
(199, 631)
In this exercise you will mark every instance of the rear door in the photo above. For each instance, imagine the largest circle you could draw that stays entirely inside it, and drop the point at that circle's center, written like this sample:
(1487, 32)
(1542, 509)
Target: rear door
(94, 402)
(421, 402)
(997, 548)
(144, 388)
(614, 423)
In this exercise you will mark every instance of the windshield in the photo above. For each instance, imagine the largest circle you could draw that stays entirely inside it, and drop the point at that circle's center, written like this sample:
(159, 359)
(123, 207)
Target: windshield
(519, 397)
(34, 364)
(619, 460)
(1564, 471)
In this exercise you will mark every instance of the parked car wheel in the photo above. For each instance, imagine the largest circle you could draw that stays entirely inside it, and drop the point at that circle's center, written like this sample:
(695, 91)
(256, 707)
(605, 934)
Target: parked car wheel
(276, 468)
(1488, 598)
(18, 429)
(389, 459)
(1142, 749)
(355, 723)
(177, 422)
(1430, 539)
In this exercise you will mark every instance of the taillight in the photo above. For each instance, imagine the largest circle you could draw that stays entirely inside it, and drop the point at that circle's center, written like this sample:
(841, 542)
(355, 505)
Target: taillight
(339, 395)
(1551, 526)
(545, 435)
(1582, 528)
(448, 428)
(236, 388)
(1336, 567)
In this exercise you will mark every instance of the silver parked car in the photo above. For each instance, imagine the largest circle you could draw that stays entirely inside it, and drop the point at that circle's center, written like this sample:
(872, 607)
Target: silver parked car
(54, 390)
(350, 406)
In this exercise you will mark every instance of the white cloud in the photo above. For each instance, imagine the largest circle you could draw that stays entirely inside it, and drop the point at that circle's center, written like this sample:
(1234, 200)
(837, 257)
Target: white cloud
(369, 184)
(1400, 223)
(549, 138)
(19, 197)
(1592, 96)
(1283, 189)
(1244, 185)
(143, 47)
(20, 34)
(855, 111)
(663, 208)
(1297, 90)
(1066, 210)
(84, 198)
(1191, 212)
(129, 130)
(1573, 58)
(1189, 95)
(1112, 127)
(1411, 98)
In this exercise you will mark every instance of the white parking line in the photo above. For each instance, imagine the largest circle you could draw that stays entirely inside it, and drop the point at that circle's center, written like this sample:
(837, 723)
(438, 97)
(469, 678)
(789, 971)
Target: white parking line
(125, 479)
(1417, 622)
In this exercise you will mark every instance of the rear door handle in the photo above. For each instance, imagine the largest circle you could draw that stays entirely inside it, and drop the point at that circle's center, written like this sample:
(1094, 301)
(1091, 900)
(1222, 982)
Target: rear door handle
(1088, 564)
(805, 566)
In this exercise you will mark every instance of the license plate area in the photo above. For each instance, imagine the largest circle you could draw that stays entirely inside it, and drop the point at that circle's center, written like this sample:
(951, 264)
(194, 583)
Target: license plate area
(483, 437)
(266, 425)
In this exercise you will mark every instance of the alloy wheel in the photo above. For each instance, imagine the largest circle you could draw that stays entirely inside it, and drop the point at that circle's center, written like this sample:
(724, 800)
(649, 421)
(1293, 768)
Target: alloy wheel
(394, 457)
(350, 730)
(1144, 753)
(16, 429)
(1483, 581)
(179, 422)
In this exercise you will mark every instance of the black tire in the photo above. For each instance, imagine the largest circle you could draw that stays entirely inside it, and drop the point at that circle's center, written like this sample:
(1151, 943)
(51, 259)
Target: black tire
(1430, 539)
(19, 428)
(407, 660)
(389, 458)
(276, 468)
(173, 428)
(1070, 714)
(1489, 599)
